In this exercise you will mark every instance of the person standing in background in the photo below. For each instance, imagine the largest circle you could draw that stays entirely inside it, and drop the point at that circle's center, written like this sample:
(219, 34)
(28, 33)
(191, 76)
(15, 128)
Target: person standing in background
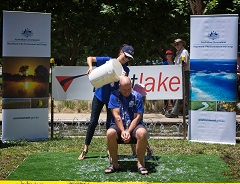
(169, 58)
(169, 61)
(102, 94)
(182, 58)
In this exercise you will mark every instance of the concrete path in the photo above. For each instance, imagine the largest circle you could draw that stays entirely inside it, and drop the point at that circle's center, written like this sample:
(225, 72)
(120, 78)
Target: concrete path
(86, 116)
(147, 117)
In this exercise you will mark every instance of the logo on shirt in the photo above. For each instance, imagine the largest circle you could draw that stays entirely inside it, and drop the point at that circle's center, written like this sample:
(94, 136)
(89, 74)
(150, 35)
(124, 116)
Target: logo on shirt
(131, 103)
(112, 84)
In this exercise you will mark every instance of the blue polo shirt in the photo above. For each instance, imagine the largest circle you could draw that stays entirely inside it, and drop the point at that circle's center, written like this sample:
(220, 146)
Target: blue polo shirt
(166, 63)
(103, 93)
(127, 105)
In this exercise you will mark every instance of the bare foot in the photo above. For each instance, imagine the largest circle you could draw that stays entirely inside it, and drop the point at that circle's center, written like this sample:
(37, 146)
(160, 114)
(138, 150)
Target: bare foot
(82, 156)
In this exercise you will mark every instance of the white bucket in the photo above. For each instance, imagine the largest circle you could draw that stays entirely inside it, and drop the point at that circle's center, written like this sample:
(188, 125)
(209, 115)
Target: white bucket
(106, 73)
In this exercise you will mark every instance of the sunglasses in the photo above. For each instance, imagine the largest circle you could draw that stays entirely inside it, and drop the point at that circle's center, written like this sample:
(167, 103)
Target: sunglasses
(176, 44)
(129, 58)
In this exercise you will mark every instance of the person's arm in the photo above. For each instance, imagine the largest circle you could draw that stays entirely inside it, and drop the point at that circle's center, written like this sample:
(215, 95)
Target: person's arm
(135, 121)
(117, 118)
(138, 112)
(125, 134)
(90, 61)
(186, 56)
(114, 105)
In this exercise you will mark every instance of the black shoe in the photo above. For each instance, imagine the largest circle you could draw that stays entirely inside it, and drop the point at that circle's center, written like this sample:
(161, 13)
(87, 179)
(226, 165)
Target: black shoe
(171, 115)
(163, 111)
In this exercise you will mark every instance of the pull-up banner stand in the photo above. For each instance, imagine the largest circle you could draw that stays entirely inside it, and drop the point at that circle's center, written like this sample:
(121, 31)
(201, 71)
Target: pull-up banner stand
(26, 55)
(213, 59)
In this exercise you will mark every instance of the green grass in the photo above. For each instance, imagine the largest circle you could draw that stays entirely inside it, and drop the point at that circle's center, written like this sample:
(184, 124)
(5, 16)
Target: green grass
(169, 168)
(195, 105)
(179, 161)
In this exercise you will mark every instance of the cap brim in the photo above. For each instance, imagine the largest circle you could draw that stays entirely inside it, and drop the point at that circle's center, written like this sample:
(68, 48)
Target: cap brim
(183, 42)
(128, 55)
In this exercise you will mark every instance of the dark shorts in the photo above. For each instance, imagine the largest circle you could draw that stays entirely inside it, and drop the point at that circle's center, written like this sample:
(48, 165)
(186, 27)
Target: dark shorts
(133, 133)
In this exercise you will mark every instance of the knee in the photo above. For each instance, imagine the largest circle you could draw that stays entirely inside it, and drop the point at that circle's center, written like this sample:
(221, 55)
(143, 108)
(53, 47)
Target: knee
(141, 134)
(111, 134)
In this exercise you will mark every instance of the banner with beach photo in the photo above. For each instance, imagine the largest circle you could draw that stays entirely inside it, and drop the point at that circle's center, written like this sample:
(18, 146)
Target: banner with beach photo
(25, 72)
(213, 59)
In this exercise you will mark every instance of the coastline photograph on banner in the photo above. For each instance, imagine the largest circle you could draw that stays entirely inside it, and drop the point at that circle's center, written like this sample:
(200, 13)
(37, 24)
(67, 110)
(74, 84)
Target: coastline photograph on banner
(219, 75)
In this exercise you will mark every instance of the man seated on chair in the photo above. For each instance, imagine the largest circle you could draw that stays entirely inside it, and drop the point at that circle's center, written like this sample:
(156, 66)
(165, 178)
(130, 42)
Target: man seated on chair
(127, 108)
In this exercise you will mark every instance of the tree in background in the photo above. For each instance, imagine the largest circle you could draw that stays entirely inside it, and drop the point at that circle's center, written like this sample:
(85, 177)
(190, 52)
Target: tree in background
(99, 27)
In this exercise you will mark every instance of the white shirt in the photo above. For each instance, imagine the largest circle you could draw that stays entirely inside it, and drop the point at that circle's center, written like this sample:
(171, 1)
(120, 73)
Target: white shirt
(182, 54)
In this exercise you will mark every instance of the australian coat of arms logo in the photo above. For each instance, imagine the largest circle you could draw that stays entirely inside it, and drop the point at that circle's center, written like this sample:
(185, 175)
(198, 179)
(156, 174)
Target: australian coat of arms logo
(213, 35)
(27, 33)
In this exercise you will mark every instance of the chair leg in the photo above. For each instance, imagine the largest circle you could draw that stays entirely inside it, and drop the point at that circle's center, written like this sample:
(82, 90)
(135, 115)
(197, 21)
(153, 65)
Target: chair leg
(133, 146)
(109, 159)
(149, 151)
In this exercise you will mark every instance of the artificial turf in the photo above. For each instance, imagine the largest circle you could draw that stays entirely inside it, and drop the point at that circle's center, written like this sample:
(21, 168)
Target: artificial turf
(55, 166)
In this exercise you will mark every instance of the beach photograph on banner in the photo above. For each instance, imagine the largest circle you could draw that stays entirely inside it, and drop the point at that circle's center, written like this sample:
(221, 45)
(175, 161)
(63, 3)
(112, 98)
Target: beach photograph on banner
(219, 75)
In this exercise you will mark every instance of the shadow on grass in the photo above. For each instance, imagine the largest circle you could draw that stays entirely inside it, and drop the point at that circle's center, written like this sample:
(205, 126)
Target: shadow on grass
(22, 142)
(128, 164)
(94, 156)
(12, 144)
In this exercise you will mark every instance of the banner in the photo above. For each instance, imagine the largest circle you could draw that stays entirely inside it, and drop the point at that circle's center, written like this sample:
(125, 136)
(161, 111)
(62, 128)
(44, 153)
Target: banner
(162, 82)
(26, 34)
(213, 61)
(70, 87)
(25, 72)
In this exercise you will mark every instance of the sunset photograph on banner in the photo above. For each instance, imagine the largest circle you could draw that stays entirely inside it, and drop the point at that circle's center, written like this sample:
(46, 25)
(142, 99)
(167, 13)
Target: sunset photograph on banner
(25, 82)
